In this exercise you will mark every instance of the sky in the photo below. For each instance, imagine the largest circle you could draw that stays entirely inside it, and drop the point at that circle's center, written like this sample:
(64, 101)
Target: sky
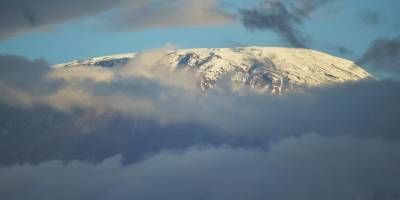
(334, 28)
(140, 130)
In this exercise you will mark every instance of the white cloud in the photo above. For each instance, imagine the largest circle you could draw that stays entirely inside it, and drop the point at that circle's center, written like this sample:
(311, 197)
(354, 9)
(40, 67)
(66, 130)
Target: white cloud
(80, 74)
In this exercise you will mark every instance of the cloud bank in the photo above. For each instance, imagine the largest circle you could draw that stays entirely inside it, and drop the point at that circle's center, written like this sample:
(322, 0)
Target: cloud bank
(309, 167)
(145, 131)
(88, 100)
(146, 88)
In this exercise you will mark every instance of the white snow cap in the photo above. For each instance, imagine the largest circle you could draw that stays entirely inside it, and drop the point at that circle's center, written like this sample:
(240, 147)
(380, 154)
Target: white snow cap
(275, 69)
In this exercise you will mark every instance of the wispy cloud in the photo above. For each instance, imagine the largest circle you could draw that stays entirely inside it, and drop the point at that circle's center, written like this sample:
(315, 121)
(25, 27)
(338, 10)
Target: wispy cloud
(155, 14)
(383, 55)
(282, 17)
(342, 49)
(21, 16)
(370, 18)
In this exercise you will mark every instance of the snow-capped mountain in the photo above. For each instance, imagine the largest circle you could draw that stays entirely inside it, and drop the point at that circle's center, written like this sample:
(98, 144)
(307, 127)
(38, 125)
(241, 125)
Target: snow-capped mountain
(98, 128)
(266, 68)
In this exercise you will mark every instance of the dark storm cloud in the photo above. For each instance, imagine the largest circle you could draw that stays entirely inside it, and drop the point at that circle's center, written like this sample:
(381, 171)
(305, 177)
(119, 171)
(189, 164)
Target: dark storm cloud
(308, 167)
(383, 55)
(282, 17)
(19, 16)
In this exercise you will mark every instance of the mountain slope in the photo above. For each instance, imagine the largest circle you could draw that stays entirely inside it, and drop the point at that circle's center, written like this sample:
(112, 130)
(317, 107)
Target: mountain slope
(266, 68)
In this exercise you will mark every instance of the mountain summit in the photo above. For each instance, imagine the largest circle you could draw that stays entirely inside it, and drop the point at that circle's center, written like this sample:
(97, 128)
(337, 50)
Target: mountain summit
(272, 69)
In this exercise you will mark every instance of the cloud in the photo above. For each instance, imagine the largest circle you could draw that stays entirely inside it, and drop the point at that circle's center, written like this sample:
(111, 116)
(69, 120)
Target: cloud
(90, 102)
(309, 167)
(91, 87)
(151, 65)
(156, 14)
(174, 141)
(20, 78)
(383, 55)
(342, 49)
(146, 88)
(370, 18)
(282, 17)
(74, 74)
(21, 16)
(22, 72)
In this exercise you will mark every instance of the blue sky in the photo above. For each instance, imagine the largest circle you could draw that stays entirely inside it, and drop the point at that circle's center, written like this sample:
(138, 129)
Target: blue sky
(336, 24)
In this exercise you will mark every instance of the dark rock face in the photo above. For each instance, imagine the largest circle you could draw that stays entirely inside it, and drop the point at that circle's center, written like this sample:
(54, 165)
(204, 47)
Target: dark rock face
(112, 63)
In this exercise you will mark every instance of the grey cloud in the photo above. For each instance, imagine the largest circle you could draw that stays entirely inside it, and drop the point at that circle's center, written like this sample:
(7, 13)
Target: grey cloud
(154, 14)
(282, 17)
(274, 15)
(306, 7)
(309, 167)
(20, 71)
(370, 18)
(383, 55)
(184, 144)
(19, 16)
(142, 98)
(343, 50)
(89, 109)
(340, 109)
(21, 79)
(325, 110)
